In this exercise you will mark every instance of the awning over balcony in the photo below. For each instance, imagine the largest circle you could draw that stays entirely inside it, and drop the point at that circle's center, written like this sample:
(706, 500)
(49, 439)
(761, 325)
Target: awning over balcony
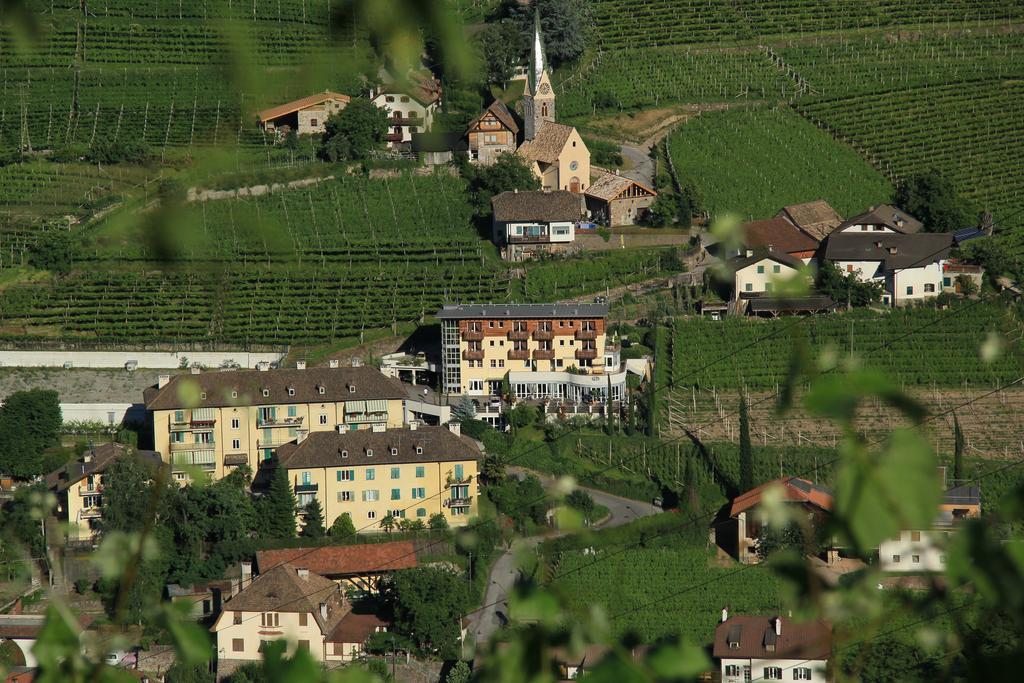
(203, 414)
(377, 406)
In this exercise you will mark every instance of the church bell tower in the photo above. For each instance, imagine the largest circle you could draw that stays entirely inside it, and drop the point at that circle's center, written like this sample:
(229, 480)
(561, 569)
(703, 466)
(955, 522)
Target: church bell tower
(539, 97)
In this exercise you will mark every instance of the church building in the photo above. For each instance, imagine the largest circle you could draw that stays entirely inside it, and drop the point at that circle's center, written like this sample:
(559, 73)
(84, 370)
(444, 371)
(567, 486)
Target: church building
(557, 152)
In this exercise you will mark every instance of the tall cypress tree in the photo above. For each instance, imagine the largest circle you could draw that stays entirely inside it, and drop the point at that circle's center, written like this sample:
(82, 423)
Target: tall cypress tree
(314, 526)
(746, 452)
(958, 450)
(279, 510)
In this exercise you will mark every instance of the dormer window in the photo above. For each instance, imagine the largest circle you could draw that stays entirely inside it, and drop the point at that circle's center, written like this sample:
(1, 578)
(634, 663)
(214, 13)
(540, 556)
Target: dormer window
(234, 394)
(321, 390)
(351, 388)
(369, 452)
(394, 451)
(419, 450)
(291, 391)
(202, 396)
(266, 392)
(344, 453)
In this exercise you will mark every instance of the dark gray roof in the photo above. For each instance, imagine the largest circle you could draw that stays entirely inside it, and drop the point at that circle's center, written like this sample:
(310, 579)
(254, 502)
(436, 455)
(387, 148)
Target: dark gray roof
(324, 449)
(468, 311)
(889, 216)
(963, 495)
(559, 205)
(966, 234)
(439, 142)
(912, 251)
(340, 384)
(771, 304)
(100, 457)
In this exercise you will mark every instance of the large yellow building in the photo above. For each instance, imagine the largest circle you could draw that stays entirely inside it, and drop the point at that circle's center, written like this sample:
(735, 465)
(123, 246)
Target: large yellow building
(408, 473)
(554, 351)
(79, 486)
(216, 421)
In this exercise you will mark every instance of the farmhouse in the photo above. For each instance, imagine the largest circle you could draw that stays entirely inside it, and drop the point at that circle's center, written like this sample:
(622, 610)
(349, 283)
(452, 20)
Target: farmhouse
(739, 536)
(556, 152)
(492, 133)
(410, 109)
(616, 200)
(355, 567)
(415, 472)
(909, 267)
(305, 116)
(884, 219)
(79, 486)
(764, 648)
(818, 219)
(528, 223)
(758, 272)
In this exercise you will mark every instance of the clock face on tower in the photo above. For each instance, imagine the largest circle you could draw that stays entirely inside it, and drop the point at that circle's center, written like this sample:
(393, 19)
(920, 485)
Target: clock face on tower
(544, 88)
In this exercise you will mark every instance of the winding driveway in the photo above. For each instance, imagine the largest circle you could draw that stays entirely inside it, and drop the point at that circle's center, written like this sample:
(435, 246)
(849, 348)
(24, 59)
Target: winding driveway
(489, 618)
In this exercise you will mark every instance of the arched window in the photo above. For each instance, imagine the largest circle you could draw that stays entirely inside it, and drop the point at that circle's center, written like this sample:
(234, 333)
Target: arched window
(544, 109)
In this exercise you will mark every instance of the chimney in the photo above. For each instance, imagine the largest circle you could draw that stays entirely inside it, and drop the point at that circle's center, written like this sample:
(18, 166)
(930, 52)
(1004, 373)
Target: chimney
(300, 365)
(162, 381)
(412, 426)
(778, 626)
(303, 573)
(246, 573)
(455, 428)
(378, 427)
(263, 366)
(725, 614)
(357, 362)
(195, 369)
(333, 363)
(515, 190)
(87, 456)
(323, 611)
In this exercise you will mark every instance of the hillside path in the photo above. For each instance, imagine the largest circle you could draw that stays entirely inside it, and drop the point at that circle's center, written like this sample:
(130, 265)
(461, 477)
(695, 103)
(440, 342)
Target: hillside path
(487, 620)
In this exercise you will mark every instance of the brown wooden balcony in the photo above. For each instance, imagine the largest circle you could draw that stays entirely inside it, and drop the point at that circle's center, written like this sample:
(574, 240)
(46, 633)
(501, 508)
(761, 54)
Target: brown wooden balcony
(470, 354)
(405, 121)
(544, 354)
(543, 335)
(586, 334)
(393, 137)
(586, 354)
(523, 354)
(473, 335)
(518, 335)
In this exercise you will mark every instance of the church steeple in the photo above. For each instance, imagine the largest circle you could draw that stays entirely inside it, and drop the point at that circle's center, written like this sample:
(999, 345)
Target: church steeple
(539, 98)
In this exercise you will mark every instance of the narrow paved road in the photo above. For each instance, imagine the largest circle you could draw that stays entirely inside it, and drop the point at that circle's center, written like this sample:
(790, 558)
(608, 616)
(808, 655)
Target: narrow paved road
(643, 165)
(503, 575)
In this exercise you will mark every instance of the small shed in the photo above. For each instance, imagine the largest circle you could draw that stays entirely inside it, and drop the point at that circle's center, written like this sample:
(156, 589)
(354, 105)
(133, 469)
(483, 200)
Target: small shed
(618, 200)
(305, 116)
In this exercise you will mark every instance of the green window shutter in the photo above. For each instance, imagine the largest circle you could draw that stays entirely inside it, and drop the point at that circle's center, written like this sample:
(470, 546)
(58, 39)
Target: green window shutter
(396, 473)
(421, 512)
(370, 474)
(179, 415)
(760, 269)
(338, 474)
(292, 411)
(396, 494)
(420, 472)
(458, 472)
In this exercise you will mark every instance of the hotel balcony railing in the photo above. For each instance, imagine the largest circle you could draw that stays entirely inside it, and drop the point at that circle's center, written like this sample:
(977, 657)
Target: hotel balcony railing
(544, 354)
(523, 354)
(518, 335)
(183, 460)
(586, 354)
(278, 422)
(543, 335)
(470, 354)
(459, 502)
(274, 443)
(182, 446)
(586, 334)
(306, 488)
(473, 335)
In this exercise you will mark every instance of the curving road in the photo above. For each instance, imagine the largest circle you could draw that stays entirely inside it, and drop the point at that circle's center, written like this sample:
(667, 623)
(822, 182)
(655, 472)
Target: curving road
(491, 616)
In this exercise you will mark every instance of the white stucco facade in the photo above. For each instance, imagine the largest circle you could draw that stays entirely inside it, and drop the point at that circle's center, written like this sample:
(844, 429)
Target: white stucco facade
(760, 277)
(733, 670)
(914, 551)
(901, 285)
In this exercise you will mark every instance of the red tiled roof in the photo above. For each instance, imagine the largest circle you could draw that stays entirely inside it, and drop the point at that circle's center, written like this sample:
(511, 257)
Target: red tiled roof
(296, 105)
(337, 560)
(797, 490)
(811, 640)
(777, 234)
(356, 628)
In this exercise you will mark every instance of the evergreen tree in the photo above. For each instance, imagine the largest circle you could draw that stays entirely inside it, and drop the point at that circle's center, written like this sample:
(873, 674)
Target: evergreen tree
(746, 451)
(692, 484)
(279, 509)
(314, 526)
(958, 450)
(343, 526)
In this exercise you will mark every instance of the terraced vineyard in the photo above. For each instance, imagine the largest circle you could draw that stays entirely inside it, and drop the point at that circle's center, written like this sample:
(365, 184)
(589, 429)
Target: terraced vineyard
(754, 161)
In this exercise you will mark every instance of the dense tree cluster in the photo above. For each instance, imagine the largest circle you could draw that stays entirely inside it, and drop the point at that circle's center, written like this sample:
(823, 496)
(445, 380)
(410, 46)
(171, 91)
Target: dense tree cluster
(30, 423)
(354, 132)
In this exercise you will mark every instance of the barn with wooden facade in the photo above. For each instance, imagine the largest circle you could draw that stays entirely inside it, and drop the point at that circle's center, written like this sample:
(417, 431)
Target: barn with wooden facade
(617, 200)
(305, 116)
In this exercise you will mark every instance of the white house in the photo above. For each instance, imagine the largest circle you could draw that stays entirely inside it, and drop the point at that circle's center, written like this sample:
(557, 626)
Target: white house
(908, 266)
(410, 109)
(758, 272)
(527, 223)
(881, 219)
(771, 648)
(924, 550)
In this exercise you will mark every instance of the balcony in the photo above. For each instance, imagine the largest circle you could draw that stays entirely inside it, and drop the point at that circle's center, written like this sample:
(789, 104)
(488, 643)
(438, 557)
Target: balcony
(264, 421)
(544, 354)
(521, 354)
(206, 462)
(518, 335)
(182, 446)
(393, 137)
(91, 513)
(273, 443)
(459, 502)
(405, 121)
(543, 335)
(90, 490)
(586, 334)
(529, 239)
(470, 354)
(586, 354)
(306, 488)
(473, 335)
